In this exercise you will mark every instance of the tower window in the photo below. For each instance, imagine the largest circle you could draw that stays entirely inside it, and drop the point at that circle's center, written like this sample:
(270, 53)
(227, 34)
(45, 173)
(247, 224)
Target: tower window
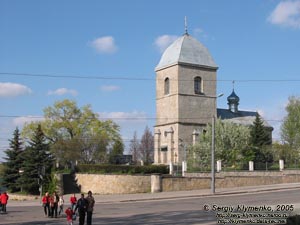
(198, 85)
(167, 86)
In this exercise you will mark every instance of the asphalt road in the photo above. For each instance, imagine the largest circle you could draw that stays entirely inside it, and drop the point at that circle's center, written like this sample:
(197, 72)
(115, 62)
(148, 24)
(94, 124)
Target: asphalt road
(171, 211)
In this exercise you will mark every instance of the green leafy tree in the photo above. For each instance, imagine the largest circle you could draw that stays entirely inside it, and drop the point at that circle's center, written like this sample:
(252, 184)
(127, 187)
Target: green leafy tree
(261, 141)
(231, 145)
(76, 134)
(12, 166)
(36, 164)
(199, 155)
(290, 128)
(286, 153)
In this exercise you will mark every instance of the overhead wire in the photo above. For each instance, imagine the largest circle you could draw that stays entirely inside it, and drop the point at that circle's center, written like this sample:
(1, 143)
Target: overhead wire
(89, 77)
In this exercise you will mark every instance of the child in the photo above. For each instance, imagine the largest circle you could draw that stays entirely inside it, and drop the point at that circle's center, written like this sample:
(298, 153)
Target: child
(69, 212)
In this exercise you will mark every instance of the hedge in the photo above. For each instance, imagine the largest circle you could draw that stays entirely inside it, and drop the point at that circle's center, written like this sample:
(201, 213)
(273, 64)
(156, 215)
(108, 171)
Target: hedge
(121, 169)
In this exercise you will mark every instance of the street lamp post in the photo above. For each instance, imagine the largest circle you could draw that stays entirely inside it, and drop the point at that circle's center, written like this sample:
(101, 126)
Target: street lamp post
(213, 189)
(213, 178)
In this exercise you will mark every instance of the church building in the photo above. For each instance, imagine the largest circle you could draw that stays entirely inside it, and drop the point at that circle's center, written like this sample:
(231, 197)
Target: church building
(186, 79)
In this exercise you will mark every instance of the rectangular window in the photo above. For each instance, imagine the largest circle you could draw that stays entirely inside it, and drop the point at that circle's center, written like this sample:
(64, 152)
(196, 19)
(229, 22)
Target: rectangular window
(164, 148)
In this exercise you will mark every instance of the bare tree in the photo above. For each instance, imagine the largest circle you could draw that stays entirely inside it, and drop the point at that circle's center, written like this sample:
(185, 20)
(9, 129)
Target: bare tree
(146, 148)
(134, 147)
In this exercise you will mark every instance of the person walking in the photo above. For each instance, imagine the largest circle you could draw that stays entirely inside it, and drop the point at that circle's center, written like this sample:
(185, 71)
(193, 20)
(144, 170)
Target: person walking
(81, 206)
(4, 200)
(51, 204)
(55, 204)
(90, 208)
(61, 204)
(73, 201)
(46, 204)
(69, 212)
(0, 203)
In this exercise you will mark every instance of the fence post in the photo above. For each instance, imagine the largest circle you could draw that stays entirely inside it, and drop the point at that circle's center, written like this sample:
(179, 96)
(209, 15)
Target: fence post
(281, 165)
(251, 166)
(219, 165)
(184, 168)
(171, 168)
(156, 183)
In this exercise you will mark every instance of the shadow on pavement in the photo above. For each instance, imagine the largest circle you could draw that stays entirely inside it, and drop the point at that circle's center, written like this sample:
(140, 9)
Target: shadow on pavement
(174, 218)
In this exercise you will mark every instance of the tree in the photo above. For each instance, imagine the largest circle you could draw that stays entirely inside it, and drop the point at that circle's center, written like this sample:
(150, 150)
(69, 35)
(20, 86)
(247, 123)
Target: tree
(134, 147)
(12, 166)
(116, 152)
(259, 135)
(231, 145)
(146, 148)
(76, 134)
(36, 164)
(260, 141)
(290, 128)
(286, 153)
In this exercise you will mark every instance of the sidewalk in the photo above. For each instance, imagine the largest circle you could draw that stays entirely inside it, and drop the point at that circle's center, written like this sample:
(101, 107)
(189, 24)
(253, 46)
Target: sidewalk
(118, 198)
(189, 194)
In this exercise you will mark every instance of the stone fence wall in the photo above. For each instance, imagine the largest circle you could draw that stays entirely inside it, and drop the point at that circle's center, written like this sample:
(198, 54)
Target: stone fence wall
(126, 184)
(113, 184)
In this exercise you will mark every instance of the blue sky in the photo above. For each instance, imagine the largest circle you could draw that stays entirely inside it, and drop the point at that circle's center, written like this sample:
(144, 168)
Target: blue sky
(256, 43)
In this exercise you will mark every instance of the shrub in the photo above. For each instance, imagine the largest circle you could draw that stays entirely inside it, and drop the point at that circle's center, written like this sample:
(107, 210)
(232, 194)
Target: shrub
(121, 169)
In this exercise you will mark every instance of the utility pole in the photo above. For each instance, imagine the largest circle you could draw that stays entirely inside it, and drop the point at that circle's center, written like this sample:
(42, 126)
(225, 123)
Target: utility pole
(213, 190)
(213, 124)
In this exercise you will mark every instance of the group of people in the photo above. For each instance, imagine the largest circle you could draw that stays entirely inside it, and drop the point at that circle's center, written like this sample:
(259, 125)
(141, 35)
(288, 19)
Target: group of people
(3, 201)
(52, 204)
(84, 207)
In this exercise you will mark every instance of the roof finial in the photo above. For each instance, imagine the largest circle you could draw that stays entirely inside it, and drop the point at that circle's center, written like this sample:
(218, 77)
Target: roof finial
(233, 84)
(185, 26)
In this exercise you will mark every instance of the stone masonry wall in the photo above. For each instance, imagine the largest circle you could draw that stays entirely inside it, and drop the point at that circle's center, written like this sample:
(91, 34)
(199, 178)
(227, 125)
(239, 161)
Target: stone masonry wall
(113, 184)
(127, 184)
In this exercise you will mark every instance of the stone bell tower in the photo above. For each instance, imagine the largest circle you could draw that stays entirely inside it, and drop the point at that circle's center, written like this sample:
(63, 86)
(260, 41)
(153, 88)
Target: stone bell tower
(185, 97)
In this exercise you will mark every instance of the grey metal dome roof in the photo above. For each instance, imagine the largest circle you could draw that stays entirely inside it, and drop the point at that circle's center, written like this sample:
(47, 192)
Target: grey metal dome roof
(186, 50)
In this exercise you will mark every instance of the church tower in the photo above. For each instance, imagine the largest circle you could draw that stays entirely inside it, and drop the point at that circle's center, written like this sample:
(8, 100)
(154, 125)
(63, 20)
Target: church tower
(185, 97)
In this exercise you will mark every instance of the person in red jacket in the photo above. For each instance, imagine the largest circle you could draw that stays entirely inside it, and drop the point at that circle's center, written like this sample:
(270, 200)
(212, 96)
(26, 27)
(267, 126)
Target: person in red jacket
(46, 204)
(4, 200)
(73, 201)
(69, 212)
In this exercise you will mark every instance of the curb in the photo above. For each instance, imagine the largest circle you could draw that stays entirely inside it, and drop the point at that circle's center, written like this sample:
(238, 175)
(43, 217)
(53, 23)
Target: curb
(158, 198)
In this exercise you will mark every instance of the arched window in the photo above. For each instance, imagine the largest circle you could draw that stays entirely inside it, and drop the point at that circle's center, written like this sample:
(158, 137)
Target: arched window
(198, 85)
(167, 86)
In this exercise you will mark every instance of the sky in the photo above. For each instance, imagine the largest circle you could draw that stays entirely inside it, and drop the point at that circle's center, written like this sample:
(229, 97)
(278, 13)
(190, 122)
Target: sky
(104, 52)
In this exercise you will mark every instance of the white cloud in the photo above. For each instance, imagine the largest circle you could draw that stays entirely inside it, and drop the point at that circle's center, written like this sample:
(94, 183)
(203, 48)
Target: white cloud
(109, 88)
(286, 13)
(198, 32)
(134, 116)
(63, 91)
(13, 89)
(104, 44)
(20, 121)
(162, 42)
